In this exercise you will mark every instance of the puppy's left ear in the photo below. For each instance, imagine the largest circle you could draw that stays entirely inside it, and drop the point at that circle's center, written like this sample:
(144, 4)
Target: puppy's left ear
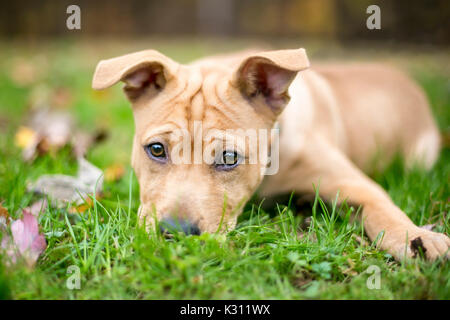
(266, 77)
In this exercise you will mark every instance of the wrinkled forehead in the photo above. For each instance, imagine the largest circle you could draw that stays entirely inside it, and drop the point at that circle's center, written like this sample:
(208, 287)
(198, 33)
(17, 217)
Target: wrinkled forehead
(202, 104)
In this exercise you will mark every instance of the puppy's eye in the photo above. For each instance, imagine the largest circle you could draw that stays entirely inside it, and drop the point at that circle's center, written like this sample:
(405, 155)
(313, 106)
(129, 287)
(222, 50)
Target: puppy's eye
(156, 151)
(228, 160)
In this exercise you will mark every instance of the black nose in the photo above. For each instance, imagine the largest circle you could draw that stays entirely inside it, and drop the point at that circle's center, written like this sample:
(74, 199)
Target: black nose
(171, 225)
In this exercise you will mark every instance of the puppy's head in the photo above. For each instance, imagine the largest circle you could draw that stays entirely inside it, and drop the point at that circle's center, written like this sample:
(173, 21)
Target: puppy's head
(203, 131)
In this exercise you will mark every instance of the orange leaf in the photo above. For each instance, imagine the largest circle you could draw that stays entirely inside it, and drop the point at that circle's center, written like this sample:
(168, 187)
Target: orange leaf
(114, 172)
(4, 215)
(84, 206)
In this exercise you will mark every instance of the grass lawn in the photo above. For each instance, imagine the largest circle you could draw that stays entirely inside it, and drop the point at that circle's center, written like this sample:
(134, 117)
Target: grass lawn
(272, 254)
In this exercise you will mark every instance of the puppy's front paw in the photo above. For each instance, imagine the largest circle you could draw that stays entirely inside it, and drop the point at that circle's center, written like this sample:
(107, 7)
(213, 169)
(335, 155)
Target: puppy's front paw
(432, 244)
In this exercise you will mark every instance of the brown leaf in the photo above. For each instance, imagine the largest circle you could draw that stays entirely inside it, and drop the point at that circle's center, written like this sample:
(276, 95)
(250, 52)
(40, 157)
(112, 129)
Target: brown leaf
(4, 215)
(89, 203)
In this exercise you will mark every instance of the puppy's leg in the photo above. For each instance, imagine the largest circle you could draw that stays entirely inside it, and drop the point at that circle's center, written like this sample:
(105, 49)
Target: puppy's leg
(336, 173)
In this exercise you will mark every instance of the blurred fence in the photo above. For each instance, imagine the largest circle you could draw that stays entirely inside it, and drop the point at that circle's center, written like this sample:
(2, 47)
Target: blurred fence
(413, 21)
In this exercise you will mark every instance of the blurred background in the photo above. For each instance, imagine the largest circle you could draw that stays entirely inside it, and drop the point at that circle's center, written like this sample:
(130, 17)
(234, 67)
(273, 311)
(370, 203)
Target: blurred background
(403, 21)
(43, 64)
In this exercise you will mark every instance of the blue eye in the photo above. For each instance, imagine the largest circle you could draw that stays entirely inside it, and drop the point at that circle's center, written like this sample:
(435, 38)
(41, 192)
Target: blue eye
(227, 161)
(156, 151)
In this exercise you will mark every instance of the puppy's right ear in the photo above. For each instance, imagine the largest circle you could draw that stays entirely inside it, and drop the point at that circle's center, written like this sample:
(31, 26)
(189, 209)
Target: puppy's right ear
(142, 72)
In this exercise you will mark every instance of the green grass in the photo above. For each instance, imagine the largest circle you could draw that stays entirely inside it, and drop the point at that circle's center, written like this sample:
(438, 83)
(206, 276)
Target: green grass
(272, 254)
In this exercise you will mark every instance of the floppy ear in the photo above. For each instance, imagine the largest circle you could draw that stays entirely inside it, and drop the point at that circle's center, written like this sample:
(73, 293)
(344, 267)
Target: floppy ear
(266, 76)
(141, 71)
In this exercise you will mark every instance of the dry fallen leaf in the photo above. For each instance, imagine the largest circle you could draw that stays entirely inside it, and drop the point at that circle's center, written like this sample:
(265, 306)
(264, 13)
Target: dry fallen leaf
(4, 216)
(54, 126)
(26, 241)
(89, 203)
(50, 130)
(25, 137)
(47, 130)
(350, 270)
(63, 188)
(114, 173)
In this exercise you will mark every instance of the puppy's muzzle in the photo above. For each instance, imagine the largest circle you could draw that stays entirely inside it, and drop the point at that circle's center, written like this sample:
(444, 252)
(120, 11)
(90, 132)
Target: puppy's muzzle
(170, 226)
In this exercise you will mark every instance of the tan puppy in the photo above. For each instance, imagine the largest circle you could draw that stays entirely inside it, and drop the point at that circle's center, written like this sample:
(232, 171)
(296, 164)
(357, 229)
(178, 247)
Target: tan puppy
(333, 121)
